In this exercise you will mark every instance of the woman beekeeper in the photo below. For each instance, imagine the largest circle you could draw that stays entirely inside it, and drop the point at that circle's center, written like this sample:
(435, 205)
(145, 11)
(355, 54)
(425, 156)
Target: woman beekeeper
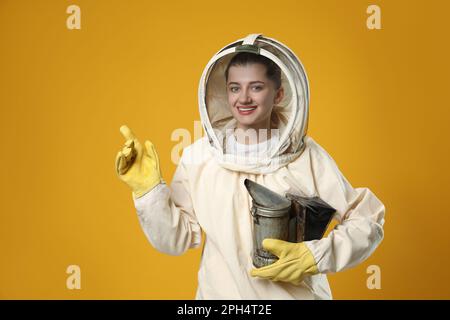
(253, 84)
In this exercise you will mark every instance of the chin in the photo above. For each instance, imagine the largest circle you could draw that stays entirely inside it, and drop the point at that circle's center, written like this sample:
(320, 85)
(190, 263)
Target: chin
(246, 123)
(245, 120)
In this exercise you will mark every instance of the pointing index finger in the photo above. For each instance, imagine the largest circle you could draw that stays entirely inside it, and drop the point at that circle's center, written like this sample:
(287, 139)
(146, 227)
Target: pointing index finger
(127, 133)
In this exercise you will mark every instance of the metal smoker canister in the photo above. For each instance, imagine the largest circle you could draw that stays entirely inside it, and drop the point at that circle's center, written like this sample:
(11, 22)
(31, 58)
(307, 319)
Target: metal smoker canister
(268, 223)
(271, 219)
(292, 218)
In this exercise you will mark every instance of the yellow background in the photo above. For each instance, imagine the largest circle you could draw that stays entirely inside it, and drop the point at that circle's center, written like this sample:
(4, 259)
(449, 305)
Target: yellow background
(379, 106)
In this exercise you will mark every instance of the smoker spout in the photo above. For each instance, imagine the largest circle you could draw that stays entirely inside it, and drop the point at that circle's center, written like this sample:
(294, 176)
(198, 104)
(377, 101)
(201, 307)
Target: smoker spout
(265, 197)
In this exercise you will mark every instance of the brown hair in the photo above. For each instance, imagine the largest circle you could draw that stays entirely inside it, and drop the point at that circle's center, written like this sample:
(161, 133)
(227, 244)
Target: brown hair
(273, 71)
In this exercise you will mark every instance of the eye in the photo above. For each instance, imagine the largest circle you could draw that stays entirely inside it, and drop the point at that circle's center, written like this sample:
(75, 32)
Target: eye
(257, 88)
(234, 89)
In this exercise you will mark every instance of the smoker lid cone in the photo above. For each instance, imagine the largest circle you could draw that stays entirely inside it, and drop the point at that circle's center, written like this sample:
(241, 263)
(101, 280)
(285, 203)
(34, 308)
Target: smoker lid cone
(265, 197)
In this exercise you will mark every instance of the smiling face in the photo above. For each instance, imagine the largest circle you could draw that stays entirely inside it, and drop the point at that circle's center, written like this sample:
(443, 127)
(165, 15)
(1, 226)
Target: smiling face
(251, 96)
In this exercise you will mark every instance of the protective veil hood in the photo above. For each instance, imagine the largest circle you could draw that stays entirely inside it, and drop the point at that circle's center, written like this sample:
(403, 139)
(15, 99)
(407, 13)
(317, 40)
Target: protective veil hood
(290, 116)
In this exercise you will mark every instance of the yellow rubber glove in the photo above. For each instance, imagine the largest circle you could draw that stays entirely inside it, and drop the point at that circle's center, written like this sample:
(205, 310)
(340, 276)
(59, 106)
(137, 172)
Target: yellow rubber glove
(137, 165)
(295, 262)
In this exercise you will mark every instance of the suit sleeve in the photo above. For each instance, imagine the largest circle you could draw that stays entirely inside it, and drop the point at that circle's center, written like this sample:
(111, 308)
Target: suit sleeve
(167, 217)
(359, 212)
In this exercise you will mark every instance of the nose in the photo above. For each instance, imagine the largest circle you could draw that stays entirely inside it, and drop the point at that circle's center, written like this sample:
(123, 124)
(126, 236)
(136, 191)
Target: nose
(244, 97)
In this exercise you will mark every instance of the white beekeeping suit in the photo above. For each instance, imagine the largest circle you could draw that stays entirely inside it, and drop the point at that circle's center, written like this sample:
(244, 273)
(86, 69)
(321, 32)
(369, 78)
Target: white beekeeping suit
(207, 192)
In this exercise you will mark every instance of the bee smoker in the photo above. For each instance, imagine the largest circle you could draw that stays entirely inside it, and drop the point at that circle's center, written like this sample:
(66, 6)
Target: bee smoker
(290, 218)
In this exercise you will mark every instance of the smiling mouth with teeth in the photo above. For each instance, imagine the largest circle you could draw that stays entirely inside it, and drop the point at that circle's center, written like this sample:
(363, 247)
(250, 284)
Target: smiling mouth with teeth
(246, 110)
